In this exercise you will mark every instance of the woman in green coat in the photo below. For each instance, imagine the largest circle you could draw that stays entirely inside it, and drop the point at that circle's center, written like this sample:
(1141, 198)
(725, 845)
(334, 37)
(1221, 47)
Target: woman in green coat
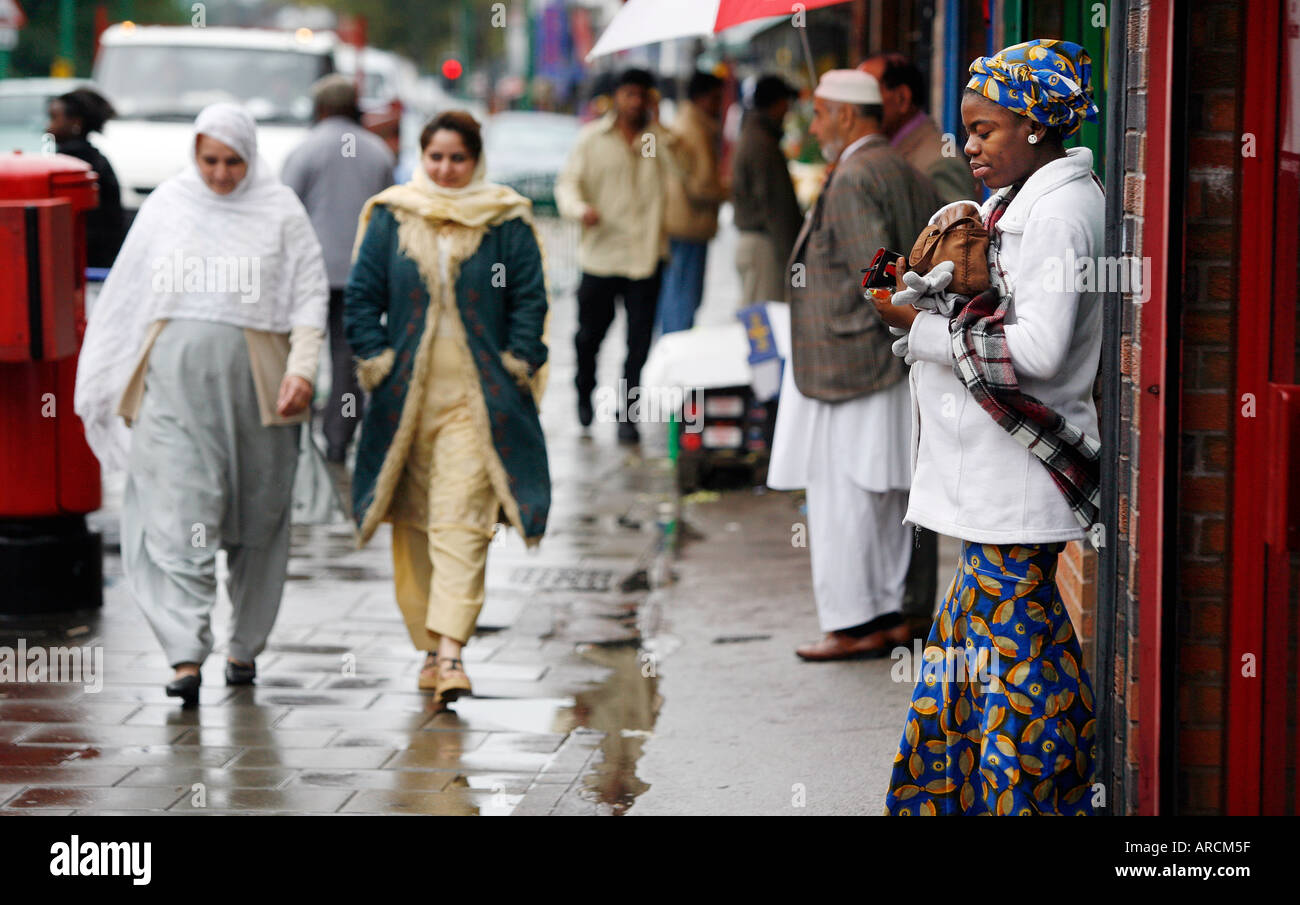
(446, 312)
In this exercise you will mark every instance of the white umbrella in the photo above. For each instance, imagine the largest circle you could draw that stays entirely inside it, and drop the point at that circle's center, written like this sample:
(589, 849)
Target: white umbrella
(642, 22)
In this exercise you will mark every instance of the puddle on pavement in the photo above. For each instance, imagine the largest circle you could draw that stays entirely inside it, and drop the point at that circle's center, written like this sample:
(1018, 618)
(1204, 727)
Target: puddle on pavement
(623, 707)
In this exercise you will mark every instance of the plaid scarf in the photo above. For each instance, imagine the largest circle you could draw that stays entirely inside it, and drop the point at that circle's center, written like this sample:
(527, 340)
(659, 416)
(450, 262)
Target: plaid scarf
(983, 365)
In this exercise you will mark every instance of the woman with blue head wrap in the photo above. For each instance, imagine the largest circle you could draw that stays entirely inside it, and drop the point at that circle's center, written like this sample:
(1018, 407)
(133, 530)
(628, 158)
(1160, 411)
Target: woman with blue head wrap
(1021, 104)
(1006, 454)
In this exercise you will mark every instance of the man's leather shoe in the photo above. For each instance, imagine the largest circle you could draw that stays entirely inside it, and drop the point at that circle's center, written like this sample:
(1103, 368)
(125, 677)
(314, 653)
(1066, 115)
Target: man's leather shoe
(627, 433)
(584, 410)
(917, 626)
(839, 646)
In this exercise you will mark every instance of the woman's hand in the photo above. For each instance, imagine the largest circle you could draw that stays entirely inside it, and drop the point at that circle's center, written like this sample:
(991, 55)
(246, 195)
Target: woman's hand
(894, 315)
(295, 394)
(900, 316)
(956, 212)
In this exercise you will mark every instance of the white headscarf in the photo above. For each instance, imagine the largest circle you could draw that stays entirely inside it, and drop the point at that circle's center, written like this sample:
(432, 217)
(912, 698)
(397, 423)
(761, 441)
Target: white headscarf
(185, 240)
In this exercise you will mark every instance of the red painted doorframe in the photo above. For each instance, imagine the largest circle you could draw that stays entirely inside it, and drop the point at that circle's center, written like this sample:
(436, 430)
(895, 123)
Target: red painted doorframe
(1260, 86)
(1152, 408)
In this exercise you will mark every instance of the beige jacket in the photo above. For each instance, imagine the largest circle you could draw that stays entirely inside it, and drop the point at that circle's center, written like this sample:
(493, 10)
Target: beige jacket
(695, 187)
(273, 356)
(624, 184)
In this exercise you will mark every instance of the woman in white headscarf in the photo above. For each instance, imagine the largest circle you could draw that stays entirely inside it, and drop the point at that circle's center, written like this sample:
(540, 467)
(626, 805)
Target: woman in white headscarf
(204, 340)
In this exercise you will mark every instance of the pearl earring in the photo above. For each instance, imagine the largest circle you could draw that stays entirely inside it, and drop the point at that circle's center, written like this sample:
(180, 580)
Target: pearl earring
(1033, 139)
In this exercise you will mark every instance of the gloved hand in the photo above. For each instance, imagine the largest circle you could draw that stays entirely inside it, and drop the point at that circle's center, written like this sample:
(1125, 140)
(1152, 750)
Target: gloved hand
(923, 291)
(946, 303)
(900, 348)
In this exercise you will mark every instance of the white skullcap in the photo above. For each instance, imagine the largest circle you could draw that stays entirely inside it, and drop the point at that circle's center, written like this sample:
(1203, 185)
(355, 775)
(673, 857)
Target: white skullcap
(848, 86)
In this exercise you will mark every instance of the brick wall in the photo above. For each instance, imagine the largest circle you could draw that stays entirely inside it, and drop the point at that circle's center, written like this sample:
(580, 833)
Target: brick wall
(1123, 676)
(1206, 365)
(1076, 576)
(1207, 409)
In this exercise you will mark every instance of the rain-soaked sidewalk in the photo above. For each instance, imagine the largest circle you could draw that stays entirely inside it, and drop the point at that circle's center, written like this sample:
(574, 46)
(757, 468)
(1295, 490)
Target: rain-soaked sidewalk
(601, 686)
(336, 724)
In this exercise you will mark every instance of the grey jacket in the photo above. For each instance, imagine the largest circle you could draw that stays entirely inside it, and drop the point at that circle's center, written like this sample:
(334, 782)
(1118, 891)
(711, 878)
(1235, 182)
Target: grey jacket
(337, 167)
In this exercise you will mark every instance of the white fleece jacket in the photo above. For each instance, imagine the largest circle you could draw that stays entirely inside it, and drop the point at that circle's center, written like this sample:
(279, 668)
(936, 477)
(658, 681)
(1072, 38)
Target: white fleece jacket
(970, 478)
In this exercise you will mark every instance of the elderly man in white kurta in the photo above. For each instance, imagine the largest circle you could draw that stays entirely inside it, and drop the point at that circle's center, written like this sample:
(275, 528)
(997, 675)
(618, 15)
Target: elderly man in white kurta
(844, 421)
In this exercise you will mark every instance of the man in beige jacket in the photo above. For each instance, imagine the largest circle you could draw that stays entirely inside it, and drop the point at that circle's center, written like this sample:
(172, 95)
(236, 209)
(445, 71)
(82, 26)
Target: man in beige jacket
(613, 184)
(695, 190)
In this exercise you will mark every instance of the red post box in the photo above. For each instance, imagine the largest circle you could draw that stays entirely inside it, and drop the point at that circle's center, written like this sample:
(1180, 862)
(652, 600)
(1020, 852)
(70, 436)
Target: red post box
(49, 479)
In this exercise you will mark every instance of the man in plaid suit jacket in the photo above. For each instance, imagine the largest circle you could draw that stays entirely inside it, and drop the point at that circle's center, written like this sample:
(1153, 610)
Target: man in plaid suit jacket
(844, 437)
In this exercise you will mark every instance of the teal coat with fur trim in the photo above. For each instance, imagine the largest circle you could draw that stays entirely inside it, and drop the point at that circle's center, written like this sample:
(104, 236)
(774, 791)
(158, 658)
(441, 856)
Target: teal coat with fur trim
(500, 293)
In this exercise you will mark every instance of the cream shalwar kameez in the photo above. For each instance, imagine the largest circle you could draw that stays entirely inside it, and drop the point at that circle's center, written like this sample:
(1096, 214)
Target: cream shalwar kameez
(444, 510)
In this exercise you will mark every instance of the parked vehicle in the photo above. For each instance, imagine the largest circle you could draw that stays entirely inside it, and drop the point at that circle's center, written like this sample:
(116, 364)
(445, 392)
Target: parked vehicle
(24, 110)
(160, 77)
(527, 149)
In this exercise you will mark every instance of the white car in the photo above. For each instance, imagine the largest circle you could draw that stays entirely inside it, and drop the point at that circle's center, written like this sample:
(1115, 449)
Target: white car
(159, 78)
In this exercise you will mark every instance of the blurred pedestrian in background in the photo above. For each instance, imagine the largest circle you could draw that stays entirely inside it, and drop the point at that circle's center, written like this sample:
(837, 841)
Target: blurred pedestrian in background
(913, 133)
(1007, 456)
(73, 117)
(695, 189)
(447, 311)
(766, 210)
(614, 184)
(214, 377)
(842, 431)
(336, 168)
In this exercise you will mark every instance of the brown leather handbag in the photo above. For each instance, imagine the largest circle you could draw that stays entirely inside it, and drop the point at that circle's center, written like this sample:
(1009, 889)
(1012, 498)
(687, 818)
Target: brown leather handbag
(965, 242)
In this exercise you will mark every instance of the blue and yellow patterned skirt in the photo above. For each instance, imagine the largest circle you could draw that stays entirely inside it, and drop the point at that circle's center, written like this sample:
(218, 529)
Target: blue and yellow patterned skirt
(1001, 721)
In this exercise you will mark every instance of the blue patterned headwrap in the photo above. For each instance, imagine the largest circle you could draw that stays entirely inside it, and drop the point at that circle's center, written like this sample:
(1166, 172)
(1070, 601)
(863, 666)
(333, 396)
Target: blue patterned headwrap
(1046, 80)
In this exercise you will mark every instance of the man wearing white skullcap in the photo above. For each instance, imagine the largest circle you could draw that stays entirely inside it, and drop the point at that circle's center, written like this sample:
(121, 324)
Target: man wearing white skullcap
(843, 426)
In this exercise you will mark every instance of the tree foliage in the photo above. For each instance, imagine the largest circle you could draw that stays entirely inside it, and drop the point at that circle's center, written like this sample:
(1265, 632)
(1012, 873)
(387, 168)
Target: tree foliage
(429, 32)
(38, 41)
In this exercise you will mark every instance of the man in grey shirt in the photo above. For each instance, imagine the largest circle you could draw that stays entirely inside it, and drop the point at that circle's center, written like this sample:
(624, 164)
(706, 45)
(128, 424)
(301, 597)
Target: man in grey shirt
(337, 167)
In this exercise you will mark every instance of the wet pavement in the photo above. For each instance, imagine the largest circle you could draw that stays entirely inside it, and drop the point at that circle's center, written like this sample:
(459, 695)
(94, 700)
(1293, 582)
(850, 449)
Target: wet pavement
(336, 723)
(601, 684)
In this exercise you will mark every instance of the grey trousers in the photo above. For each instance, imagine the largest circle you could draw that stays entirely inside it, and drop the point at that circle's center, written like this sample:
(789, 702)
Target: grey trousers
(204, 474)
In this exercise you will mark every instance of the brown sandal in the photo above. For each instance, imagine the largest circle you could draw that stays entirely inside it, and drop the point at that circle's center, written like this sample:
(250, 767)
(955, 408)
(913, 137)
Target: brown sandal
(453, 682)
(429, 673)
